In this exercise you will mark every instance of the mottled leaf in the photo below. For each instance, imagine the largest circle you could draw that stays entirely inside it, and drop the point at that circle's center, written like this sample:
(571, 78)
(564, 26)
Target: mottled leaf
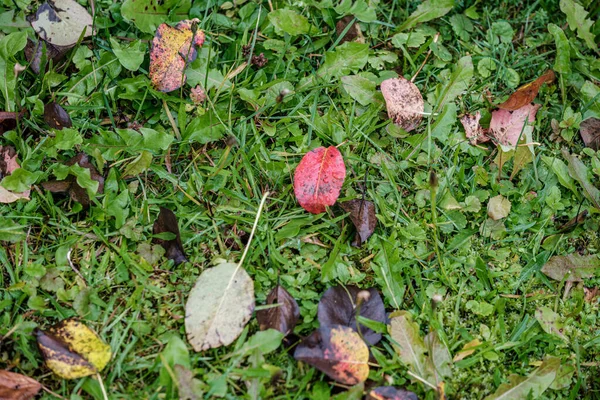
(390, 393)
(590, 132)
(340, 305)
(338, 351)
(318, 179)
(61, 22)
(404, 102)
(550, 322)
(56, 116)
(530, 386)
(527, 93)
(473, 129)
(362, 215)
(15, 386)
(498, 207)
(8, 164)
(167, 222)
(72, 350)
(219, 306)
(579, 172)
(571, 268)
(284, 316)
(172, 49)
(34, 53)
(507, 127)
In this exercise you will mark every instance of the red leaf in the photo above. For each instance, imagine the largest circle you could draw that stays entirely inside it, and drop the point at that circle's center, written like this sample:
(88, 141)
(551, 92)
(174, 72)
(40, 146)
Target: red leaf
(319, 178)
(506, 126)
(526, 93)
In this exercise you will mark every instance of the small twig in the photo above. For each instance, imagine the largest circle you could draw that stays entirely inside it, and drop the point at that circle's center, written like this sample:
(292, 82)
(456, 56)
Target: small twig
(258, 213)
(104, 394)
(74, 268)
(171, 120)
(53, 394)
(435, 39)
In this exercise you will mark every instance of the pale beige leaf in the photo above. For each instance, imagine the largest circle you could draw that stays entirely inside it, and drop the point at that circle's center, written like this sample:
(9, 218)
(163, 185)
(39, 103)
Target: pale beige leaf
(61, 22)
(404, 102)
(498, 207)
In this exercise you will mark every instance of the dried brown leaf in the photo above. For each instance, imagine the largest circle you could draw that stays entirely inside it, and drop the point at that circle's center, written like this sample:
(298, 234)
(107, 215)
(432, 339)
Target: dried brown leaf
(474, 132)
(167, 222)
(15, 386)
(56, 116)
(590, 132)
(283, 317)
(353, 34)
(527, 93)
(362, 215)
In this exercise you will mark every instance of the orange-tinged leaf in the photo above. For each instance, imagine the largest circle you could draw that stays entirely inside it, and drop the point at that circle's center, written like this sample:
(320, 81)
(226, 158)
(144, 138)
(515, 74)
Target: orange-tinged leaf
(526, 93)
(338, 351)
(17, 387)
(172, 49)
(319, 178)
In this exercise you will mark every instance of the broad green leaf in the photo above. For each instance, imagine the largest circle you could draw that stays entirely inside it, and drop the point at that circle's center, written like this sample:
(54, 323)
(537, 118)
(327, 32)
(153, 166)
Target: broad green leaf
(155, 140)
(147, 15)
(10, 231)
(442, 127)
(289, 21)
(579, 171)
(9, 46)
(20, 180)
(130, 56)
(572, 267)
(264, 341)
(204, 129)
(219, 306)
(562, 61)
(458, 82)
(408, 342)
(174, 353)
(199, 73)
(345, 59)
(359, 88)
(439, 361)
(360, 9)
(590, 96)
(530, 386)
(384, 264)
(561, 171)
(577, 19)
(412, 39)
(139, 165)
(427, 11)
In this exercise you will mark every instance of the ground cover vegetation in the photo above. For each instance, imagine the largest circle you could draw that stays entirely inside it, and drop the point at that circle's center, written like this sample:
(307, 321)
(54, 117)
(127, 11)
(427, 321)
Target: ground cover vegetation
(299, 200)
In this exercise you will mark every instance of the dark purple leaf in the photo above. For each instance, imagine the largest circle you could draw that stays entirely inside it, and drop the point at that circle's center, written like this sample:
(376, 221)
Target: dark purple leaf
(56, 116)
(34, 52)
(167, 222)
(390, 393)
(339, 306)
(590, 132)
(362, 215)
(283, 317)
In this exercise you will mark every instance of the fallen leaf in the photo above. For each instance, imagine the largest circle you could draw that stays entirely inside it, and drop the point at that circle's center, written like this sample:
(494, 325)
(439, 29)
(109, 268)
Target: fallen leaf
(171, 51)
(590, 132)
(167, 222)
(527, 93)
(353, 34)
(390, 393)
(590, 294)
(438, 362)
(219, 306)
(530, 386)
(508, 126)
(340, 305)
(408, 342)
(34, 52)
(61, 22)
(571, 268)
(8, 163)
(56, 116)
(284, 316)
(579, 171)
(318, 179)
(362, 215)
(197, 95)
(550, 322)
(15, 386)
(72, 350)
(404, 102)
(338, 351)
(498, 207)
(473, 130)
(467, 350)
(188, 387)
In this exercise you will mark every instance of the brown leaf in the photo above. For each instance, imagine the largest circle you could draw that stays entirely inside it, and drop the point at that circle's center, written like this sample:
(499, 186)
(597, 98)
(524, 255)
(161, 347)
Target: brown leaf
(404, 102)
(34, 52)
(353, 34)
(283, 317)
(474, 132)
(362, 215)
(571, 268)
(590, 132)
(56, 116)
(167, 222)
(58, 186)
(526, 93)
(186, 384)
(15, 386)
(590, 294)
(8, 163)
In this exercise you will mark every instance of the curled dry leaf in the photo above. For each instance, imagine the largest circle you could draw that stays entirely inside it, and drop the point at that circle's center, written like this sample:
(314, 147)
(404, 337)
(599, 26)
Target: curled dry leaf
(61, 22)
(590, 132)
(404, 102)
(362, 215)
(8, 163)
(390, 393)
(474, 132)
(219, 306)
(72, 350)
(318, 179)
(527, 93)
(34, 52)
(167, 222)
(15, 386)
(340, 306)
(284, 316)
(338, 351)
(56, 116)
(353, 34)
(571, 268)
(508, 126)
(172, 49)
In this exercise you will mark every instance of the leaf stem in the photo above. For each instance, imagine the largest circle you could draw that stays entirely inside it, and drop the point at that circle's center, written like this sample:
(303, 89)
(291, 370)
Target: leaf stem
(104, 394)
(258, 213)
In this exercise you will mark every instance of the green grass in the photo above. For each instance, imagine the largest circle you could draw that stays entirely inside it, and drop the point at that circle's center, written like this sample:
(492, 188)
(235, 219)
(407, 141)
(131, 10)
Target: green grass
(476, 281)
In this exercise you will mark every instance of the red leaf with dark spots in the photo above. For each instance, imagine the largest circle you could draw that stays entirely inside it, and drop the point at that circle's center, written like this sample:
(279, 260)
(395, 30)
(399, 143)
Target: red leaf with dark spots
(390, 393)
(283, 317)
(167, 222)
(362, 215)
(338, 351)
(319, 178)
(339, 306)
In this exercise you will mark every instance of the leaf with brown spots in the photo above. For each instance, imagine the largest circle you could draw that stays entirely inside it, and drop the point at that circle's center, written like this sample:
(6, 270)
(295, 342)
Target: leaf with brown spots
(8, 163)
(61, 22)
(473, 130)
(338, 351)
(572, 267)
(15, 386)
(404, 102)
(362, 215)
(527, 93)
(318, 179)
(172, 49)
(590, 132)
(56, 116)
(390, 393)
(507, 127)
(167, 223)
(284, 316)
